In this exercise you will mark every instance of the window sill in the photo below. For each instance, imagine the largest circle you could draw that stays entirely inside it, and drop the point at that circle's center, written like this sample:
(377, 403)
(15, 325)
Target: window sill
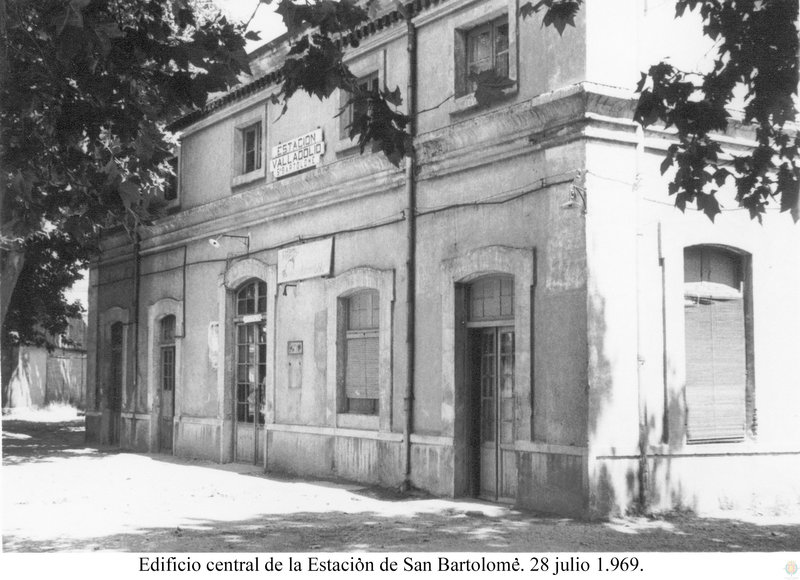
(467, 103)
(249, 177)
(346, 147)
(354, 421)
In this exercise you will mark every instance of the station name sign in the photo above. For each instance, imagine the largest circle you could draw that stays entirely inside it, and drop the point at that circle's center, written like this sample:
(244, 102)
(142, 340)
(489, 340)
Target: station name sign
(297, 154)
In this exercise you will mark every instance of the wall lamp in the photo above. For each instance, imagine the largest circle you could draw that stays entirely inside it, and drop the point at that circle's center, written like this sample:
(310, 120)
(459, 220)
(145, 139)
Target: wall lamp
(244, 239)
(576, 192)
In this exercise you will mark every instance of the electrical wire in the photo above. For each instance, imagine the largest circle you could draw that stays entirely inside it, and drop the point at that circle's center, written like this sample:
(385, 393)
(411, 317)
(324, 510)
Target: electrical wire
(661, 201)
(497, 199)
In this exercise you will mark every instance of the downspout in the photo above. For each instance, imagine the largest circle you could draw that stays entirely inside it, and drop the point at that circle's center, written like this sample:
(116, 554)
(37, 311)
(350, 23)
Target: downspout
(640, 347)
(182, 335)
(664, 368)
(183, 293)
(411, 265)
(137, 264)
(644, 467)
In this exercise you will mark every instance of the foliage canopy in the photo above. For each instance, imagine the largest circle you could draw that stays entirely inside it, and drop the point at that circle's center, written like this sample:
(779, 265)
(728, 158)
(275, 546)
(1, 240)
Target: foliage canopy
(87, 89)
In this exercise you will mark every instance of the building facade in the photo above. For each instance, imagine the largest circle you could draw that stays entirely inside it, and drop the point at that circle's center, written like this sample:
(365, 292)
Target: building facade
(519, 314)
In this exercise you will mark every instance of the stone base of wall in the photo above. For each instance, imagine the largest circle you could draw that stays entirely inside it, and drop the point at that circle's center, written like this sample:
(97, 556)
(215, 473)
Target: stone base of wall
(432, 468)
(363, 459)
(135, 433)
(705, 484)
(198, 439)
(93, 424)
(552, 482)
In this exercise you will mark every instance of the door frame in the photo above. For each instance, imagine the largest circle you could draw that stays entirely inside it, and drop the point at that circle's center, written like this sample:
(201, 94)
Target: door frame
(112, 420)
(475, 408)
(155, 312)
(455, 274)
(237, 273)
(258, 325)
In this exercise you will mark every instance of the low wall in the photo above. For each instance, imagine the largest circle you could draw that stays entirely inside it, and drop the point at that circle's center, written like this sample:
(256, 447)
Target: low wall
(198, 438)
(705, 483)
(348, 454)
(554, 481)
(135, 432)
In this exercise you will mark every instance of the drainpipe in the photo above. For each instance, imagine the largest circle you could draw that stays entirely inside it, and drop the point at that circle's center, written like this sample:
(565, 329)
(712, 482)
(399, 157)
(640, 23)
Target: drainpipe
(137, 264)
(183, 293)
(411, 265)
(644, 468)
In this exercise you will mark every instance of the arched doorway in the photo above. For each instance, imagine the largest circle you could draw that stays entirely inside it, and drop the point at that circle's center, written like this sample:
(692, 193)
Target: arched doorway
(250, 340)
(490, 382)
(166, 370)
(116, 381)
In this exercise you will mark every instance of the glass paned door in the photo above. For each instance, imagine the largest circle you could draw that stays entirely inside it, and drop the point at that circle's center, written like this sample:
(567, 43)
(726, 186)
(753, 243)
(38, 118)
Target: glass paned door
(250, 377)
(495, 382)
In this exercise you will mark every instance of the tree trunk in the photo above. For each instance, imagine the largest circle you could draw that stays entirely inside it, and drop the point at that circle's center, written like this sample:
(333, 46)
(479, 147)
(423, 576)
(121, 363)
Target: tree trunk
(11, 263)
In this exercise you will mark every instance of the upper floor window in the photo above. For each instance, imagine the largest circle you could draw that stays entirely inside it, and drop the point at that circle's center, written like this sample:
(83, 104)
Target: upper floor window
(485, 64)
(487, 50)
(171, 186)
(358, 106)
(248, 147)
(251, 148)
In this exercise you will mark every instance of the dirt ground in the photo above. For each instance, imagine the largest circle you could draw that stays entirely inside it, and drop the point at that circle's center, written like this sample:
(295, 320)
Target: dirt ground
(59, 495)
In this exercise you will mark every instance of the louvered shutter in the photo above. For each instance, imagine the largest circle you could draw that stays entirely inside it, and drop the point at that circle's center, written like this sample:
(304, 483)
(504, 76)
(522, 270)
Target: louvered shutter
(361, 377)
(716, 371)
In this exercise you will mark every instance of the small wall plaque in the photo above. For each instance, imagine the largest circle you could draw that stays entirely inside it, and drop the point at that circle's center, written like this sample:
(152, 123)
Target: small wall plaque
(295, 347)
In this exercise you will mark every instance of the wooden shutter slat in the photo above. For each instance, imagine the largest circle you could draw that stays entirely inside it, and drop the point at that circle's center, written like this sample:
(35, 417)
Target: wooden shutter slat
(355, 380)
(361, 377)
(715, 371)
(371, 367)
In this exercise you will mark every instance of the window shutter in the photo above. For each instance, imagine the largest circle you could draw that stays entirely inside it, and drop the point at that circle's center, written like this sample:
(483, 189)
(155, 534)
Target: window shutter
(715, 370)
(361, 377)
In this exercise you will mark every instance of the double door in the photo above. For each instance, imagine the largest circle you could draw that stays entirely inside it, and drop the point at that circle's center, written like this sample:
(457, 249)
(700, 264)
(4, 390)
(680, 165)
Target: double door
(251, 372)
(492, 409)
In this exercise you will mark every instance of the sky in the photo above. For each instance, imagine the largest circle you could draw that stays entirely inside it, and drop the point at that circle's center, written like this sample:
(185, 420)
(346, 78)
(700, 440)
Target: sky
(266, 22)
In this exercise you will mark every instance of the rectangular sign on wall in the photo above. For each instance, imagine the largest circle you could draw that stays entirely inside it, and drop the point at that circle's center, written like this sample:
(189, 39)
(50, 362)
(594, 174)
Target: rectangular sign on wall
(305, 261)
(297, 154)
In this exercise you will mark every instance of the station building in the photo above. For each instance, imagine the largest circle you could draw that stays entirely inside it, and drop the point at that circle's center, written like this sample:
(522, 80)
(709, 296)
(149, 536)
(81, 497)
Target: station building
(518, 314)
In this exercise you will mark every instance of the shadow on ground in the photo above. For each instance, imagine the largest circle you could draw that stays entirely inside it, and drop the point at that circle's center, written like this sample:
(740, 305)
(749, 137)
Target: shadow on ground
(447, 531)
(33, 441)
(194, 506)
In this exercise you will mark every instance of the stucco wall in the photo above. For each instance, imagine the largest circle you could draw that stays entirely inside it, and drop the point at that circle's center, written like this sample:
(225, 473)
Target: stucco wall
(635, 267)
(542, 186)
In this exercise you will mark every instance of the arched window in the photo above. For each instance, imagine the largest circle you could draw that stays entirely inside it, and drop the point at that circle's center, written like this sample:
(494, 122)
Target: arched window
(251, 352)
(361, 353)
(491, 298)
(716, 344)
(251, 298)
